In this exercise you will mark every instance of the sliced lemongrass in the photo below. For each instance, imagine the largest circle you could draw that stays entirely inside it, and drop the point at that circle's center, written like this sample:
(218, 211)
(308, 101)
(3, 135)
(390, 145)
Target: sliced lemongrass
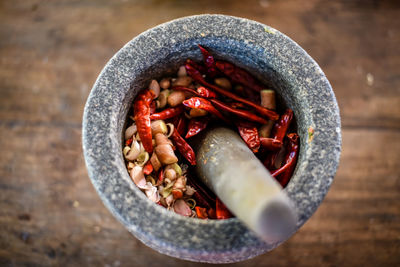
(142, 158)
(191, 202)
(171, 128)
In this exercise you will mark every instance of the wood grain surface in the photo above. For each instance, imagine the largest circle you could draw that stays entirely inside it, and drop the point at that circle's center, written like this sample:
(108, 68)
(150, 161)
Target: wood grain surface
(50, 55)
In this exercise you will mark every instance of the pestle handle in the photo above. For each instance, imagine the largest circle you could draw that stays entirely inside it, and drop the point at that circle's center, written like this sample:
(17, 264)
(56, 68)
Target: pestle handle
(229, 168)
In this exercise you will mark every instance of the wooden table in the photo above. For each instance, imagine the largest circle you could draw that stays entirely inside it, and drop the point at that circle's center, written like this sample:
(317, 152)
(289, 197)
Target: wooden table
(50, 55)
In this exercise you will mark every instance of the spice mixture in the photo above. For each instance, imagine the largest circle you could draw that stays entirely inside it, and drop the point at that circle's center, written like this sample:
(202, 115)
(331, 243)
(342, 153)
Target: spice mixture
(171, 111)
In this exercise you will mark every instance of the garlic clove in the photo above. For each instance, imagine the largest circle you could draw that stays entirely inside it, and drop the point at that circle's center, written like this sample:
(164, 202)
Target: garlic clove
(142, 184)
(130, 131)
(152, 193)
(137, 175)
(182, 208)
(169, 200)
(170, 174)
(155, 87)
(134, 151)
(189, 190)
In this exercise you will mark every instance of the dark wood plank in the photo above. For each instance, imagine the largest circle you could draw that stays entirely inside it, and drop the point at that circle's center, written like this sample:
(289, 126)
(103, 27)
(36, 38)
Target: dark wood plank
(51, 53)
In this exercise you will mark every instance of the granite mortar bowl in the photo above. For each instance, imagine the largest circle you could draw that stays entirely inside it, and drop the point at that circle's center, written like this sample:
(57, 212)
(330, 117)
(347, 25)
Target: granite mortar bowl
(270, 56)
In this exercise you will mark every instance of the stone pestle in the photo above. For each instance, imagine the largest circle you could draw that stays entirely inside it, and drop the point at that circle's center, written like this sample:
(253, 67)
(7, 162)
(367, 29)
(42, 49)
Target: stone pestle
(231, 170)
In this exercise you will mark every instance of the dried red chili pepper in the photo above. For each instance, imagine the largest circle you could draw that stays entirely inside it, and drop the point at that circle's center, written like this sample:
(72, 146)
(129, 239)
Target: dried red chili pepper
(202, 196)
(167, 113)
(221, 210)
(148, 168)
(249, 134)
(239, 89)
(186, 89)
(269, 161)
(209, 61)
(201, 212)
(153, 107)
(183, 147)
(278, 133)
(197, 102)
(204, 92)
(197, 66)
(141, 107)
(196, 125)
(238, 75)
(270, 143)
(177, 193)
(201, 200)
(211, 213)
(284, 173)
(281, 126)
(241, 113)
(237, 105)
(160, 177)
(180, 124)
(247, 93)
(252, 95)
(196, 75)
(201, 91)
(129, 141)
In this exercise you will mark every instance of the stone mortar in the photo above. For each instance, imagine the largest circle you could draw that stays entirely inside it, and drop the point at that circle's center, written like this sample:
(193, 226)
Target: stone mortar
(276, 60)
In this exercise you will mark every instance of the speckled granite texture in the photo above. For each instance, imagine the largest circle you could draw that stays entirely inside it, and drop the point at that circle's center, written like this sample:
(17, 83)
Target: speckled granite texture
(276, 60)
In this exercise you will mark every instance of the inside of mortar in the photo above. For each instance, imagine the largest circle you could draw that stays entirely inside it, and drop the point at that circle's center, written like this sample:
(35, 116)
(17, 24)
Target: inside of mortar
(242, 55)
